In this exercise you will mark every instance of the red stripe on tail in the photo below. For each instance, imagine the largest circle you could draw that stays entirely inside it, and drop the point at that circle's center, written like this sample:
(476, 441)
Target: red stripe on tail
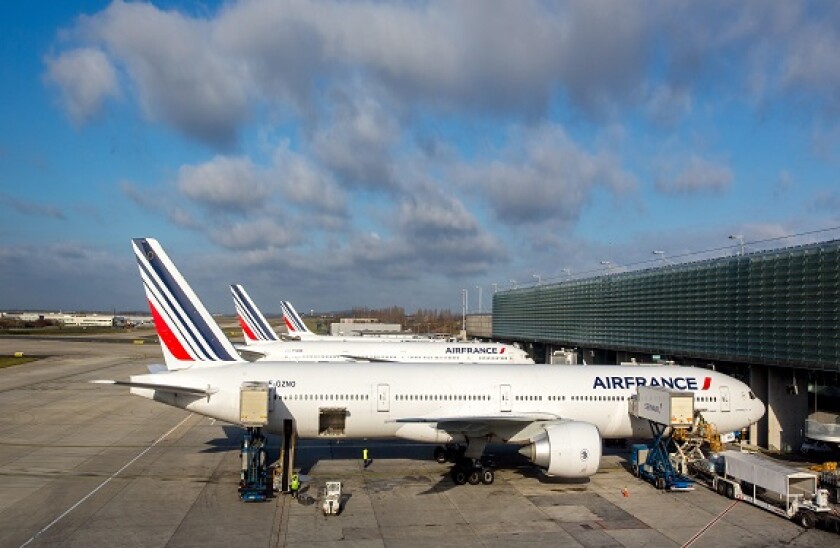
(247, 330)
(168, 337)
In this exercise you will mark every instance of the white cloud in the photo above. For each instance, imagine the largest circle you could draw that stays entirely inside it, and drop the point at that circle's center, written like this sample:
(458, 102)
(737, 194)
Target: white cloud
(694, 175)
(544, 176)
(180, 76)
(86, 78)
(230, 183)
(359, 142)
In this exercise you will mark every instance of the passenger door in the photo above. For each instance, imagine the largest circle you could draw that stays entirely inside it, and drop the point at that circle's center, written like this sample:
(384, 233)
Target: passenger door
(383, 397)
(725, 403)
(504, 398)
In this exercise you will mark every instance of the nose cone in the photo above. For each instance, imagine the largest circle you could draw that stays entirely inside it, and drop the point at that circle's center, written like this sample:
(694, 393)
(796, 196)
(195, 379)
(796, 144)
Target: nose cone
(758, 410)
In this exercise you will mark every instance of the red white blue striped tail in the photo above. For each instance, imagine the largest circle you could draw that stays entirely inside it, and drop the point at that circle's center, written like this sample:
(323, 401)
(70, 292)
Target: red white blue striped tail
(254, 325)
(294, 323)
(188, 334)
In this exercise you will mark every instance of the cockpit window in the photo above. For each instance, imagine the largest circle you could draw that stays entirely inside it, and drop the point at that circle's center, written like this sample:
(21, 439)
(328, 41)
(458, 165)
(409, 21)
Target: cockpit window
(752, 396)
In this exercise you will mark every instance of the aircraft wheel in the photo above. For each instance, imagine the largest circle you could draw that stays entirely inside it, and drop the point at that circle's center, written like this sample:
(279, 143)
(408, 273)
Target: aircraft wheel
(806, 519)
(440, 454)
(459, 475)
(487, 476)
(474, 477)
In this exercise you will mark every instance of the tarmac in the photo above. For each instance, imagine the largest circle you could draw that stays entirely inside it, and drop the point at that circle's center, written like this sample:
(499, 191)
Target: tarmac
(89, 465)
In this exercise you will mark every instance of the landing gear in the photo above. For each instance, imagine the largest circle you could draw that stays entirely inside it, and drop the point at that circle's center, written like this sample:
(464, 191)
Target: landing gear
(473, 472)
(451, 452)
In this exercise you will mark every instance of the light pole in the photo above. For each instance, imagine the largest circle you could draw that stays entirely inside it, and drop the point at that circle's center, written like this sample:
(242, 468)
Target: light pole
(464, 310)
(479, 298)
(661, 256)
(740, 238)
(608, 264)
(537, 277)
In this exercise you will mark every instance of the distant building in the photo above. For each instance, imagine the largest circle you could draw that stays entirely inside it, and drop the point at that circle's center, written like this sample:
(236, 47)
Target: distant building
(78, 320)
(352, 327)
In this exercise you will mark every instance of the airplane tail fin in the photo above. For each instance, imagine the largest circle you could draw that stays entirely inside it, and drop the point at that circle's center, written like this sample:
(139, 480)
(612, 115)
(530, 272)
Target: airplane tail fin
(294, 323)
(254, 325)
(188, 334)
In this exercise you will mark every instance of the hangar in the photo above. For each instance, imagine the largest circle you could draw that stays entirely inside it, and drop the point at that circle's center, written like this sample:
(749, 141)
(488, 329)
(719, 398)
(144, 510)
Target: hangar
(769, 317)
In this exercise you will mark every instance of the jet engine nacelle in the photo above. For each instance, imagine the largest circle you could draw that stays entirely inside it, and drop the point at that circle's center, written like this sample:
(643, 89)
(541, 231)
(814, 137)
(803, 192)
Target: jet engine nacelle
(566, 450)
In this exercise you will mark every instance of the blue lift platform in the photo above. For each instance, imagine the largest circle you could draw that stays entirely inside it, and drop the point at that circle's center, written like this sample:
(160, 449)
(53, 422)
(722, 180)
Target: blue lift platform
(653, 462)
(665, 411)
(254, 483)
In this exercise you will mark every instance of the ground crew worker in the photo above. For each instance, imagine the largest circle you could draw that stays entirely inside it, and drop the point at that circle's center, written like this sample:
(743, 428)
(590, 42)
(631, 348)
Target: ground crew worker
(365, 458)
(295, 485)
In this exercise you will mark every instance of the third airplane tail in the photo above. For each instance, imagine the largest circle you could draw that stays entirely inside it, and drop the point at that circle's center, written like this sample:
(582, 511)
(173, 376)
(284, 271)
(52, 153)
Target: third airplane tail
(188, 334)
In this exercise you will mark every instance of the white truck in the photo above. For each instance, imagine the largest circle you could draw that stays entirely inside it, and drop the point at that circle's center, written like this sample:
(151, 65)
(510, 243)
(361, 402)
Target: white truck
(773, 486)
(331, 503)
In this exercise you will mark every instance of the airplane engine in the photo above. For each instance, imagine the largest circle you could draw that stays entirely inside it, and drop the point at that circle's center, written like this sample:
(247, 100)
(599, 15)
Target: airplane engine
(566, 450)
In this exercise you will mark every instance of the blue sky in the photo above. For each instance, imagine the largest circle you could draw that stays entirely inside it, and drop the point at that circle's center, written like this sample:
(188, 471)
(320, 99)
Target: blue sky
(342, 154)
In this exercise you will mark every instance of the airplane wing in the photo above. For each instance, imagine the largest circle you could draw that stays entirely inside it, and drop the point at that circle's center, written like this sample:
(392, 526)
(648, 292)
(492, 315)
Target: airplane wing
(472, 419)
(366, 359)
(163, 387)
(511, 427)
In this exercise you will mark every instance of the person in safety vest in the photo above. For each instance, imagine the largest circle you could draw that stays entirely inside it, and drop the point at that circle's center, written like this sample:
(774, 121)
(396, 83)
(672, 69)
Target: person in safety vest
(295, 485)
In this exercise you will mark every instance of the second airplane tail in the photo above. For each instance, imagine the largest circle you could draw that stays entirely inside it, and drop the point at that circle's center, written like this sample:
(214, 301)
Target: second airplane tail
(188, 334)
(294, 323)
(254, 325)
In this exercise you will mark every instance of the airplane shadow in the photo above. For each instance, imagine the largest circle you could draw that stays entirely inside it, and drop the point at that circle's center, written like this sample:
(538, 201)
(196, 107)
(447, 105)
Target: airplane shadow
(233, 441)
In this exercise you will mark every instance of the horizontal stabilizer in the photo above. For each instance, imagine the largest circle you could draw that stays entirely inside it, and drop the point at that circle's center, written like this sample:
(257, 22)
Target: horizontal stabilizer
(156, 368)
(164, 387)
(250, 355)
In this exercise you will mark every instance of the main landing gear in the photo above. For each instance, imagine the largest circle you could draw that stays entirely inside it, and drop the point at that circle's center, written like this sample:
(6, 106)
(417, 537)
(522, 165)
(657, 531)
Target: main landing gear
(465, 469)
(472, 471)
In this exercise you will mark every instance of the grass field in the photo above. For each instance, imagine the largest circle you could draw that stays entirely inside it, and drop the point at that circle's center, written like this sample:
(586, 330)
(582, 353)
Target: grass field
(8, 361)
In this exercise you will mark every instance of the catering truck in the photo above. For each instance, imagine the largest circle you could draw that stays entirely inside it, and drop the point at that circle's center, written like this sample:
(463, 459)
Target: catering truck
(777, 488)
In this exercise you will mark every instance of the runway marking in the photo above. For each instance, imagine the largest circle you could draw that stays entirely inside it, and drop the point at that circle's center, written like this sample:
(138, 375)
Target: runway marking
(707, 527)
(107, 481)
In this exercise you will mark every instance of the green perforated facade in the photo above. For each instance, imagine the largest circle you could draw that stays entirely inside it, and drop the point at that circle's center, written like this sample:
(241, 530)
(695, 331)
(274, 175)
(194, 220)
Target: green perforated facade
(778, 307)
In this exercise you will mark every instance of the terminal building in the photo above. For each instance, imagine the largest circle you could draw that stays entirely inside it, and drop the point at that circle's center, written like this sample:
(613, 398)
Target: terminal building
(771, 318)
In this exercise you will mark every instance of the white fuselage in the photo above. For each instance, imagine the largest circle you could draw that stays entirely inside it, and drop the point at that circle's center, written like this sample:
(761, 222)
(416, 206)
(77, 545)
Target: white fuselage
(373, 397)
(383, 350)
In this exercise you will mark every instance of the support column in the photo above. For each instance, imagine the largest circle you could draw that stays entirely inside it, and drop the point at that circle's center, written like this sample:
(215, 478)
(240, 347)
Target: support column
(758, 384)
(287, 455)
(787, 408)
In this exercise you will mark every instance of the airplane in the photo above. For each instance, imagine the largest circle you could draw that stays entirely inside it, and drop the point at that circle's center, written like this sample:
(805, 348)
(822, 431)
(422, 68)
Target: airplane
(255, 328)
(298, 329)
(558, 415)
(262, 343)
